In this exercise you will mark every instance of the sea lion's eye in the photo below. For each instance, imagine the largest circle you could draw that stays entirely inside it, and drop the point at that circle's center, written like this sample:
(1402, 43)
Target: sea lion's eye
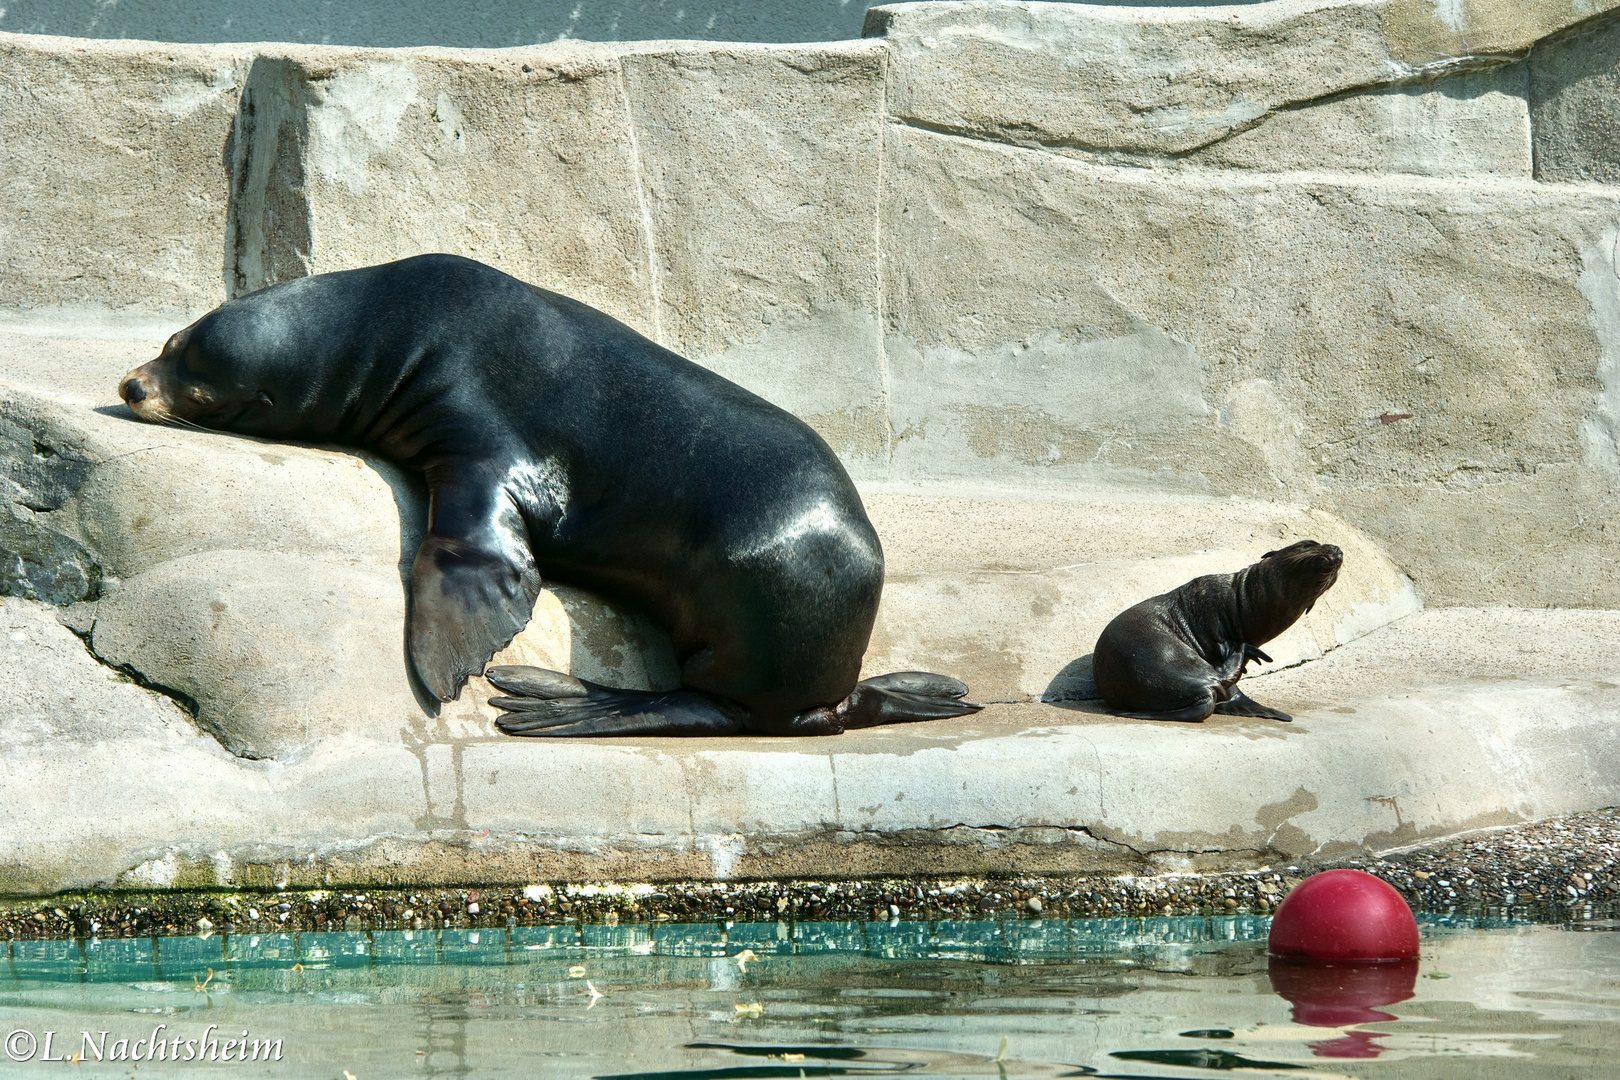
(264, 397)
(199, 394)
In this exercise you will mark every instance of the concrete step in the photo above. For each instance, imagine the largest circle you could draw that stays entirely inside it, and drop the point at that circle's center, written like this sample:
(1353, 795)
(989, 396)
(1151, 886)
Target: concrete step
(1445, 722)
(264, 581)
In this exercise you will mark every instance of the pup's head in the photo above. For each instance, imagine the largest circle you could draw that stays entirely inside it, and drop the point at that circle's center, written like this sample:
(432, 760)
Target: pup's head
(1308, 568)
(1285, 584)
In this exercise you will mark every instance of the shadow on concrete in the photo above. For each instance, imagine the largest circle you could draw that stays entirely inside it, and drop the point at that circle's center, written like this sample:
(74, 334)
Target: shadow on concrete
(1073, 686)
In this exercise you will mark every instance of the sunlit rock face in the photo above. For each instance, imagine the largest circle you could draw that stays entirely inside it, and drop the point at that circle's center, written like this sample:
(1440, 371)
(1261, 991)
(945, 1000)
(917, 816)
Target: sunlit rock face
(1089, 299)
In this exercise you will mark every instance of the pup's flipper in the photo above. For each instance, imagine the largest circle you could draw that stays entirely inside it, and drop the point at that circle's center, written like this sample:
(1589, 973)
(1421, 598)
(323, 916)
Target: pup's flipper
(1241, 704)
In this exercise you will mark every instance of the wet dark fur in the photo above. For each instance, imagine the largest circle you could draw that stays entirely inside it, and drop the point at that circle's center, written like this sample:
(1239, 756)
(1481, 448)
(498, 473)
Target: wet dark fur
(1179, 656)
(557, 442)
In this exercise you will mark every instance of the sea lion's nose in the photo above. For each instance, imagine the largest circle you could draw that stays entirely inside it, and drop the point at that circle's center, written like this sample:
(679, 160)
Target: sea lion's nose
(132, 391)
(1334, 553)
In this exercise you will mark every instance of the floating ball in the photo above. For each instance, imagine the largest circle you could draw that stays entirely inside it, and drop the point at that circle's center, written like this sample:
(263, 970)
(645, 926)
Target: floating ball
(1343, 916)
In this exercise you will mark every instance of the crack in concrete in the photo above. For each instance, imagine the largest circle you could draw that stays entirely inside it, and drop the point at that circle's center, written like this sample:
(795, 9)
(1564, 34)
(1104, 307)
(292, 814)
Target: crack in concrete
(882, 285)
(1114, 155)
(1094, 835)
(185, 702)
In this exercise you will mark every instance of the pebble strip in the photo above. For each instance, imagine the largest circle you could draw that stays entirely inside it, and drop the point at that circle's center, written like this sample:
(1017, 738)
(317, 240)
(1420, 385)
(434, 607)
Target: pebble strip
(1551, 871)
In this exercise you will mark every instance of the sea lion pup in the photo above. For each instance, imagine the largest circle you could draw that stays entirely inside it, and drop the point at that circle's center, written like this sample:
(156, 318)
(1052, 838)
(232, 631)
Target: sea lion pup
(557, 441)
(1179, 656)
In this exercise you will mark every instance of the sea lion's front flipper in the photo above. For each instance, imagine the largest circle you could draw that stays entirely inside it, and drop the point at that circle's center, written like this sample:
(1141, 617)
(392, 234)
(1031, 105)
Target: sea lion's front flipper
(473, 586)
(904, 697)
(1241, 704)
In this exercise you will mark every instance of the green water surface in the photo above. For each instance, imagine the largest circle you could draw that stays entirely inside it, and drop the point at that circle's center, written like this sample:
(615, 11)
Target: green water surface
(1166, 997)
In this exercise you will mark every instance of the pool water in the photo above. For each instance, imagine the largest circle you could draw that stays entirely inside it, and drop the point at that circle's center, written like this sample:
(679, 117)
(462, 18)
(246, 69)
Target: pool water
(1167, 997)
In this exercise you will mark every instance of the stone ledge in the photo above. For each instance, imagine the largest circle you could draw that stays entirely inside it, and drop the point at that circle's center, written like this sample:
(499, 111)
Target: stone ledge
(1439, 724)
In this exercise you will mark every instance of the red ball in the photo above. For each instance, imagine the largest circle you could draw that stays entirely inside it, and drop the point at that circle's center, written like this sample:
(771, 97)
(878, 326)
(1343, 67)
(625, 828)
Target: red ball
(1343, 916)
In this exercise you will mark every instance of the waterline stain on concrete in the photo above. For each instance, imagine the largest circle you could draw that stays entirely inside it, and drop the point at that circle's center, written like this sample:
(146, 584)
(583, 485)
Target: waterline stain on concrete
(1600, 284)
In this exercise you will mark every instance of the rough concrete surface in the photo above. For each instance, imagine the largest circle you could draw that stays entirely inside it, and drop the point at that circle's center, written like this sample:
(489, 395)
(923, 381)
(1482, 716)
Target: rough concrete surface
(1560, 870)
(1181, 338)
(767, 265)
(1572, 92)
(526, 156)
(1474, 122)
(115, 192)
(1168, 81)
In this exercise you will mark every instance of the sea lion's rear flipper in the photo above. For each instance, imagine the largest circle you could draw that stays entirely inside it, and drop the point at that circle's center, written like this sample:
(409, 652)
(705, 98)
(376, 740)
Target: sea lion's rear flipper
(468, 600)
(528, 682)
(1241, 704)
(903, 697)
(1194, 713)
(552, 705)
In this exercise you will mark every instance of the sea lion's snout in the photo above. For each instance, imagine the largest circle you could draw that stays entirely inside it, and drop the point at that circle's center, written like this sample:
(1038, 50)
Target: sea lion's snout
(1322, 562)
(142, 390)
(1327, 556)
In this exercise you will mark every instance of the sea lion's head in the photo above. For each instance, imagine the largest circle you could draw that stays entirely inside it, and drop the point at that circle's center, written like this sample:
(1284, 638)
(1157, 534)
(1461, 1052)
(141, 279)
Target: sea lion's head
(243, 367)
(1285, 584)
(1306, 569)
(182, 387)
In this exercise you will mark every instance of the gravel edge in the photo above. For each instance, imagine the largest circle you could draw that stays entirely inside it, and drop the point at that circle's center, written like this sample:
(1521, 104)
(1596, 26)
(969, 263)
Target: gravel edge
(1558, 870)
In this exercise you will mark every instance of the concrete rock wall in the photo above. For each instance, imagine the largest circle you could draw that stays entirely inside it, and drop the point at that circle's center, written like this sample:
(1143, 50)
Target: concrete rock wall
(1357, 255)
(114, 183)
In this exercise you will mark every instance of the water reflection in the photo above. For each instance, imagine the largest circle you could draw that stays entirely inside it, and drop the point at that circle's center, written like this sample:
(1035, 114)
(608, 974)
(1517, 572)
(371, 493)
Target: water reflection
(1343, 996)
(1162, 943)
(1201, 1059)
(1170, 997)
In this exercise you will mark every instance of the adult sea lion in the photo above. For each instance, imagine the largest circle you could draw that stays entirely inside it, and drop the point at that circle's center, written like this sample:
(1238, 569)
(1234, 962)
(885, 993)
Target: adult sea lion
(1179, 656)
(557, 441)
